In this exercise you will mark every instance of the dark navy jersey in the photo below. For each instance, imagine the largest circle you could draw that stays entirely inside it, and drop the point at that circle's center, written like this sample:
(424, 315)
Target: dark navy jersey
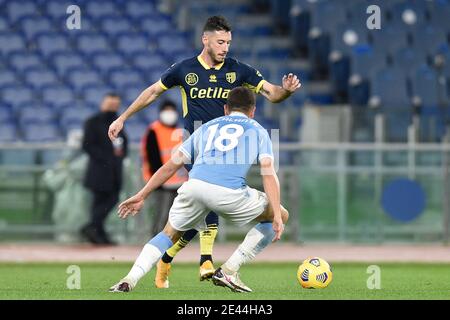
(204, 90)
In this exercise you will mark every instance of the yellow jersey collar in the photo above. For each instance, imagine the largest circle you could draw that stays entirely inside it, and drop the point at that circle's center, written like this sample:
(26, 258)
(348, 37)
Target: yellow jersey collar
(206, 66)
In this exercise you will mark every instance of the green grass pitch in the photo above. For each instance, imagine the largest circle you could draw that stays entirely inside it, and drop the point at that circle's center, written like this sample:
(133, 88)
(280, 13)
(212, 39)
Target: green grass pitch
(271, 281)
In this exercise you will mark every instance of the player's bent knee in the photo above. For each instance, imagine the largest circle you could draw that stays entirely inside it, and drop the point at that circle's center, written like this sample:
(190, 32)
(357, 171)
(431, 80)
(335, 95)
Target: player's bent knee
(172, 233)
(284, 215)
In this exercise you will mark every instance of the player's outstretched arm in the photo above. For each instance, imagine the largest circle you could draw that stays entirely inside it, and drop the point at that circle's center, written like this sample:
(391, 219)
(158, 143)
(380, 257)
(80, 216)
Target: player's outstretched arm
(275, 94)
(134, 204)
(272, 190)
(144, 99)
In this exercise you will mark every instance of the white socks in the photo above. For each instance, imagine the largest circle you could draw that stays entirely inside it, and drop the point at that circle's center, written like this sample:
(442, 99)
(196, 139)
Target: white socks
(147, 259)
(255, 241)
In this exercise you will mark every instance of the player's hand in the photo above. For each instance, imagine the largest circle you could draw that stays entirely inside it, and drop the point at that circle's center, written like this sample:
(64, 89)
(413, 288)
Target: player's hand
(115, 128)
(131, 206)
(278, 227)
(291, 83)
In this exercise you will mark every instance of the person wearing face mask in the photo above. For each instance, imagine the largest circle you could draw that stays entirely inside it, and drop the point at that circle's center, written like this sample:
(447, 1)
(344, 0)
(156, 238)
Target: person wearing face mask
(160, 139)
(103, 176)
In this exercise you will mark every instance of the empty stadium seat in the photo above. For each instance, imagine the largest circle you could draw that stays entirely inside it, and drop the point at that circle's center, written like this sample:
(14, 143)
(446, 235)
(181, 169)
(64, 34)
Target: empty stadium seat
(32, 114)
(33, 25)
(114, 25)
(49, 43)
(91, 42)
(135, 131)
(146, 61)
(24, 60)
(132, 43)
(71, 116)
(65, 60)
(18, 10)
(120, 77)
(7, 78)
(83, 77)
(95, 94)
(98, 9)
(57, 96)
(8, 132)
(10, 42)
(425, 85)
(105, 61)
(140, 9)
(41, 133)
(390, 86)
(16, 95)
(40, 77)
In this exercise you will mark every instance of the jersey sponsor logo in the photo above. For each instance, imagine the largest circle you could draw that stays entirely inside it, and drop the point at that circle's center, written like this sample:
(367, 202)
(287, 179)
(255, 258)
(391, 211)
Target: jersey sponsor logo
(191, 79)
(231, 77)
(213, 78)
(214, 93)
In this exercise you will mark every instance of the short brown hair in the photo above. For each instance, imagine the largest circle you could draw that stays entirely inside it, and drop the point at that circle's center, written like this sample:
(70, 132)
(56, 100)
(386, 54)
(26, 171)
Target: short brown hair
(241, 99)
(217, 23)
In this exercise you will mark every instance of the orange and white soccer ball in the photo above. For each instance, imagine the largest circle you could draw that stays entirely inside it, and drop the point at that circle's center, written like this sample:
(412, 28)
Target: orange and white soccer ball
(314, 273)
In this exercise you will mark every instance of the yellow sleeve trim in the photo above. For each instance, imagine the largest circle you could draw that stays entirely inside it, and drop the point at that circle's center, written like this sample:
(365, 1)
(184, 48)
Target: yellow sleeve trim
(259, 86)
(162, 85)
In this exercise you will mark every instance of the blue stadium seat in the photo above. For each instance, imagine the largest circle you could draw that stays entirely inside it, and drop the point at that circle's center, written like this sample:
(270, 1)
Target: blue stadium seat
(425, 85)
(65, 60)
(20, 9)
(8, 132)
(106, 60)
(408, 59)
(4, 26)
(120, 77)
(389, 38)
(132, 43)
(57, 96)
(390, 85)
(146, 61)
(427, 37)
(114, 25)
(396, 124)
(327, 16)
(8, 78)
(16, 95)
(56, 9)
(70, 116)
(36, 115)
(24, 60)
(155, 26)
(32, 25)
(91, 42)
(49, 43)
(6, 115)
(40, 77)
(172, 42)
(98, 9)
(41, 133)
(83, 77)
(139, 9)
(439, 13)
(10, 42)
(95, 94)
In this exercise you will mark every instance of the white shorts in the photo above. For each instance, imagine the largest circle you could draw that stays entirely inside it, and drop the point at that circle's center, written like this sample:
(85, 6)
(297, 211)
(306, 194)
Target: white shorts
(196, 198)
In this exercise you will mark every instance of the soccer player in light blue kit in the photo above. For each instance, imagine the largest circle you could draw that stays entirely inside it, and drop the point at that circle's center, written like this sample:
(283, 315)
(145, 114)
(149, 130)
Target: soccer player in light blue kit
(222, 152)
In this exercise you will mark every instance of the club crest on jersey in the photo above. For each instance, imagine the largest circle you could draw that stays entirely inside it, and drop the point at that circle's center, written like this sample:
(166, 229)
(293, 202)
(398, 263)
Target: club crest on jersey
(231, 77)
(191, 79)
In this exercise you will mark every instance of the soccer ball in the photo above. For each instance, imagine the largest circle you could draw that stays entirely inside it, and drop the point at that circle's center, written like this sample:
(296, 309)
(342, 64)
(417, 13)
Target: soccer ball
(314, 273)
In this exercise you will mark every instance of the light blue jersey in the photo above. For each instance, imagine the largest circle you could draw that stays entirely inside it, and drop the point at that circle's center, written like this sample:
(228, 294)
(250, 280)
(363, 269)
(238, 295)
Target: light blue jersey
(223, 150)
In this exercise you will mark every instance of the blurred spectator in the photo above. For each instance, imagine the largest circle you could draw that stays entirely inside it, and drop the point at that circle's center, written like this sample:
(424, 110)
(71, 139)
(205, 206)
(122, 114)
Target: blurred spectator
(161, 138)
(104, 172)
